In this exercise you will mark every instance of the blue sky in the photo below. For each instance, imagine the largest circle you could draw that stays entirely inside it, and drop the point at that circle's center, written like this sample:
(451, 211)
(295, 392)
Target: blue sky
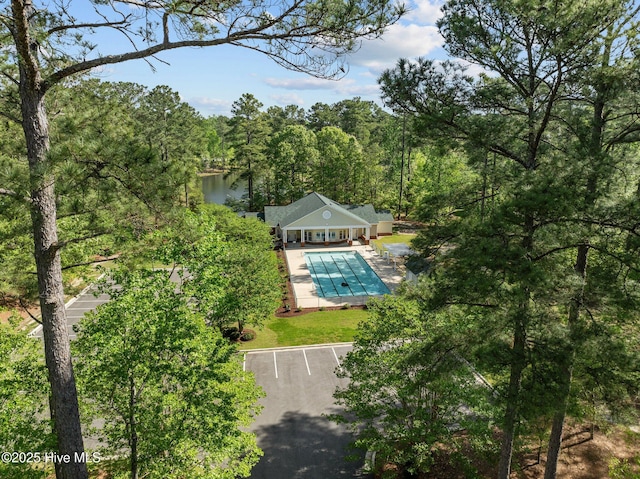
(211, 79)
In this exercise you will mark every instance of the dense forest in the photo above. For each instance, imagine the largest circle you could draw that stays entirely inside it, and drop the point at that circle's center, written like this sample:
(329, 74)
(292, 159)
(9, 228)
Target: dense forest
(353, 151)
(121, 173)
(534, 254)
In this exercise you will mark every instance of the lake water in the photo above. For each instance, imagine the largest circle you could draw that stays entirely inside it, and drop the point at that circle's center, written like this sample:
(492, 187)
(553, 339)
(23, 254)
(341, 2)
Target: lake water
(217, 188)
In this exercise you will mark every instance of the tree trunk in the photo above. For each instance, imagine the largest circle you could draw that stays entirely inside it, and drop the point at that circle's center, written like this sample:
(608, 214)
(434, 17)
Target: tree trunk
(64, 398)
(404, 129)
(580, 268)
(518, 364)
(250, 185)
(555, 439)
(513, 398)
(133, 425)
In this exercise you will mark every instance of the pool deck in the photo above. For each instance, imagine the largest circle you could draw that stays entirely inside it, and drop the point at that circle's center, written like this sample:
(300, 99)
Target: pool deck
(304, 288)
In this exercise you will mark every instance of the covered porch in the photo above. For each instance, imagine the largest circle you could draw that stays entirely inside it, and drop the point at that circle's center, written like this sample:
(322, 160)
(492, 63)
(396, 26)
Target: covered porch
(325, 235)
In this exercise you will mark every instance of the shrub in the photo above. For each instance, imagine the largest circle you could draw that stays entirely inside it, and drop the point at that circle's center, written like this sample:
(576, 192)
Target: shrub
(346, 306)
(230, 332)
(248, 336)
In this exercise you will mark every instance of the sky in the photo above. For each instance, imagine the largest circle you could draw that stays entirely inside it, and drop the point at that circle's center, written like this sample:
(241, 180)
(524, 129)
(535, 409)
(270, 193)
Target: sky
(211, 79)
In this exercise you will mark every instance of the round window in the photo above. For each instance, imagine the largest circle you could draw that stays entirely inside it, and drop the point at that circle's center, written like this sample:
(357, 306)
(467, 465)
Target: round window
(326, 214)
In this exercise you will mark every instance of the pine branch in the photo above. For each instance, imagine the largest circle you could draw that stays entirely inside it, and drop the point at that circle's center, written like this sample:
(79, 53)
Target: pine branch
(87, 263)
(26, 309)
(62, 244)
(556, 250)
(14, 194)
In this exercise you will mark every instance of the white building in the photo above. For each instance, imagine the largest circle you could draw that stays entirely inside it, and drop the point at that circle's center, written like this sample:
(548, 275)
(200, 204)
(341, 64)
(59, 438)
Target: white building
(316, 219)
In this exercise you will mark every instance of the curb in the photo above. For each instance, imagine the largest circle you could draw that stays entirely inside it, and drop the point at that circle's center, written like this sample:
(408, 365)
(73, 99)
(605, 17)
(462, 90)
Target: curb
(38, 328)
(288, 348)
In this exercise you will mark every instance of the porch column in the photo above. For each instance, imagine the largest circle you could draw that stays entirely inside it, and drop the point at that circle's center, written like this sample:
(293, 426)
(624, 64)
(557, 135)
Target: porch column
(326, 236)
(302, 237)
(366, 235)
(350, 235)
(284, 237)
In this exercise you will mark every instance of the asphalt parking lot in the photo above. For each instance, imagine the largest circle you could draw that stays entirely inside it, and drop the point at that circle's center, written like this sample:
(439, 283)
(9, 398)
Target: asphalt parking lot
(77, 308)
(297, 440)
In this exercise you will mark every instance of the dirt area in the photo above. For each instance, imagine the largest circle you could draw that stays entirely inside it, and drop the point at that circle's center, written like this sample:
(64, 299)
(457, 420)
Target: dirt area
(585, 458)
(582, 457)
(9, 307)
(281, 312)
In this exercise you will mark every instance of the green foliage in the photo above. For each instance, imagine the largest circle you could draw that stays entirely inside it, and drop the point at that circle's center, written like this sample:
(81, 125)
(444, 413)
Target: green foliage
(548, 177)
(357, 131)
(118, 176)
(442, 183)
(249, 129)
(231, 265)
(170, 389)
(340, 166)
(292, 152)
(624, 469)
(406, 383)
(176, 131)
(23, 399)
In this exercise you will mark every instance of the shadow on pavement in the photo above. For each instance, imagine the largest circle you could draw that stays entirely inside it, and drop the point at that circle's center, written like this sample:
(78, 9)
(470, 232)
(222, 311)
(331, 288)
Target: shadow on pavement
(301, 446)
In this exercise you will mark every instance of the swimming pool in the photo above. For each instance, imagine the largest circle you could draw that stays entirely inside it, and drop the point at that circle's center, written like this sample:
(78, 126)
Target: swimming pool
(343, 273)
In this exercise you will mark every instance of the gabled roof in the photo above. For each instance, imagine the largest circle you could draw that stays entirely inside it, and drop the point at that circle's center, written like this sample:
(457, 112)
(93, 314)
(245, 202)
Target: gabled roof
(285, 215)
(384, 215)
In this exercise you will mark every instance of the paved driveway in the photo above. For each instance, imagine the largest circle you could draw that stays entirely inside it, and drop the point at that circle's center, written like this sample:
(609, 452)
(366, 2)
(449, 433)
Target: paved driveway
(76, 309)
(298, 442)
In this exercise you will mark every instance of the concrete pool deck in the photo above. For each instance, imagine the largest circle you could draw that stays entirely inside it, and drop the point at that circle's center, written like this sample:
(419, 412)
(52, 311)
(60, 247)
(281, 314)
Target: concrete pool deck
(304, 289)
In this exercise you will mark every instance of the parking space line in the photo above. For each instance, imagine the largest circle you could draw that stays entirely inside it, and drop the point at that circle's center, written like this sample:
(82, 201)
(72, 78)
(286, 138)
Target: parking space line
(306, 362)
(275, 364)
(337, 360)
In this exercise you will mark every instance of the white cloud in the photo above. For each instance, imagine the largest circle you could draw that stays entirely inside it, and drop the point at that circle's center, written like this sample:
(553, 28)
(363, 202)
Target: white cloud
(208, 105)
(304, 83)
(424, 11)
(473, 69)
(399, 41)
(345, 86)
(287, 99)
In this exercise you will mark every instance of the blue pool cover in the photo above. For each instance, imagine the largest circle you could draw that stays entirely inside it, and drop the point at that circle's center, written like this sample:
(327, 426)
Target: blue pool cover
(343, 273)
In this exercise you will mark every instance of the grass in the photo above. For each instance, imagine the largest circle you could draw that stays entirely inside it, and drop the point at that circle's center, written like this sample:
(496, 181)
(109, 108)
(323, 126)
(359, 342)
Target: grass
(312, 328)
(394, 238)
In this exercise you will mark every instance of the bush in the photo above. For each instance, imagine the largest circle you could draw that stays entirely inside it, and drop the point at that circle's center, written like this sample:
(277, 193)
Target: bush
(247, 336)
(231, 333)
(623, 468)
(346, 306)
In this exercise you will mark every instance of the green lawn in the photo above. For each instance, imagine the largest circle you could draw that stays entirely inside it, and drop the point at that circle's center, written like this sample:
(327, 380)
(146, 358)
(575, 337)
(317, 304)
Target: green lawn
(394, 238)
(313, 328)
